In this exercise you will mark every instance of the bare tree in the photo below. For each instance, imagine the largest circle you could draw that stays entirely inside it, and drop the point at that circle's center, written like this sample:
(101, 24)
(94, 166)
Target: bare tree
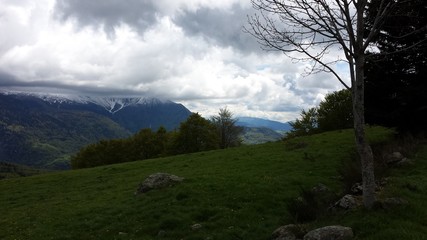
(309, 30)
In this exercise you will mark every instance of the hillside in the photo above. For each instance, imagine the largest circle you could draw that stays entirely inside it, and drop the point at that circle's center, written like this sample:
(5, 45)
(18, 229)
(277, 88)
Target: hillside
(44, 130)
(238, 193)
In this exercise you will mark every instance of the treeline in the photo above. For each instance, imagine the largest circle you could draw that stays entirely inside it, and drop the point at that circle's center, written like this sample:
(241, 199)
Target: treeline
(194, 135)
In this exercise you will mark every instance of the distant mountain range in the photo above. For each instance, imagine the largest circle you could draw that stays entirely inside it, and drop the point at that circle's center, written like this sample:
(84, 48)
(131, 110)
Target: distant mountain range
(44, 130)
(259, 130)
(259, 122)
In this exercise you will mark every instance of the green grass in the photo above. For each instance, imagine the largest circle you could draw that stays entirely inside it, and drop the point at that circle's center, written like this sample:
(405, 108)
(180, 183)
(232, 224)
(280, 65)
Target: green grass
(238, 193)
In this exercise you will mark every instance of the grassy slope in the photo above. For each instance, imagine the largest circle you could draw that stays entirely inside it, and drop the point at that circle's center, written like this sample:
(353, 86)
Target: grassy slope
(236, 193)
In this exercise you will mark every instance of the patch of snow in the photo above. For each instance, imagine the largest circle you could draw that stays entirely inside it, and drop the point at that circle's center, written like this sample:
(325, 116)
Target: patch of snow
(110, 104)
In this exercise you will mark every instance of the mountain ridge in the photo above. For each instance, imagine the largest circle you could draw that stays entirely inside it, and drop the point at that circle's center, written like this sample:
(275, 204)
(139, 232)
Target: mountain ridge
(42, 130)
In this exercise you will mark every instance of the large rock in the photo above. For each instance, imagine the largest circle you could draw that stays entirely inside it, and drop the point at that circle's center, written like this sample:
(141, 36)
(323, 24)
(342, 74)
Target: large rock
(330, 233)
(158, 180)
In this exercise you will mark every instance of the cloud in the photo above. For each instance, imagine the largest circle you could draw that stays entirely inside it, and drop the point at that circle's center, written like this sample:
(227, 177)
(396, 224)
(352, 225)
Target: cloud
(223, 27)
(189, 51)
(108, 13)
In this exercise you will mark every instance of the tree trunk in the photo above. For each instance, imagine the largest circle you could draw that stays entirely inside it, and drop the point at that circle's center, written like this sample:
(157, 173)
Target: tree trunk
(363, 148)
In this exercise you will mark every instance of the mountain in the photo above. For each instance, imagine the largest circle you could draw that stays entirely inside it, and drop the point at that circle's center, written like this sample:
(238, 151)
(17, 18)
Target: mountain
(259, 122)
(258, 130)
(257, 135)
(43, 130)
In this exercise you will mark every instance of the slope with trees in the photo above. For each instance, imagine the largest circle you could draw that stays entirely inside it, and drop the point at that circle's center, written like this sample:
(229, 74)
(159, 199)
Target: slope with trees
(193, 135)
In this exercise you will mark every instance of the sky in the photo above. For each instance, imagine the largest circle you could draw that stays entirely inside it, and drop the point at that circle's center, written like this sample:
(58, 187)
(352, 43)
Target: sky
(193, 52)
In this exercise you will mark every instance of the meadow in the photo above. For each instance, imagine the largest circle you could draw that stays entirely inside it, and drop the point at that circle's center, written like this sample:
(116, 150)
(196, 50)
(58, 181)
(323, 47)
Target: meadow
(236, 193)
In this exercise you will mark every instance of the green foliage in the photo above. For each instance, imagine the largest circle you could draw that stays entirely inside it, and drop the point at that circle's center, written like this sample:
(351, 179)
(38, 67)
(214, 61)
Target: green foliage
(304, 126)
(143, 145)
(229, 133)
(335, 111)
(195, 134)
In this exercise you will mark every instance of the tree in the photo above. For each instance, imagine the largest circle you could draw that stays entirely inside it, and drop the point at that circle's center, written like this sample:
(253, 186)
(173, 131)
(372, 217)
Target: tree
(229, 133)
(195, 134)
(309, 30)
(335, 111)
(396, 83)
(306, 125)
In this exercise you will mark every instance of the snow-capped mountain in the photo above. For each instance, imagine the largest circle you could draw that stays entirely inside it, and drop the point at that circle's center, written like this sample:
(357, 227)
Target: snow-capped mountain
(43, 130)
(110, 104)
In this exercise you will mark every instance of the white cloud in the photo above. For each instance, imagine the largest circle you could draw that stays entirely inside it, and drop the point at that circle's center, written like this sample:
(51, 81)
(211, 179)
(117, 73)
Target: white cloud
(203, 69)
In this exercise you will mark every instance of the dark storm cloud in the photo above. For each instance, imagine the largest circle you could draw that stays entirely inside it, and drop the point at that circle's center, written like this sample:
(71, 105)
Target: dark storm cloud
(223, 27)
(108, 13)
(10, 82)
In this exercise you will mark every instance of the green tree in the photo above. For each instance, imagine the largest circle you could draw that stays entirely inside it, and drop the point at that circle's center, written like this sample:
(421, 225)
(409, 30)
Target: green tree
(229, 133)
(305, 125)
(335, 111)
(102, 153)
(194, 135)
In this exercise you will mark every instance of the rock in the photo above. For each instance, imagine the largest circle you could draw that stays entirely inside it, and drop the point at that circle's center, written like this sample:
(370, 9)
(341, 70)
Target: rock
(393, 158)
(288, 232)
(320, 188)
(158, 180)
(357, 189)
(346, 202)
(330, 233)
(196, 226)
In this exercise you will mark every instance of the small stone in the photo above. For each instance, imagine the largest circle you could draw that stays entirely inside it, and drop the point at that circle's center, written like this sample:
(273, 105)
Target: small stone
(196, 226)
(161, 233)
(320, 188)
(356, 189)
